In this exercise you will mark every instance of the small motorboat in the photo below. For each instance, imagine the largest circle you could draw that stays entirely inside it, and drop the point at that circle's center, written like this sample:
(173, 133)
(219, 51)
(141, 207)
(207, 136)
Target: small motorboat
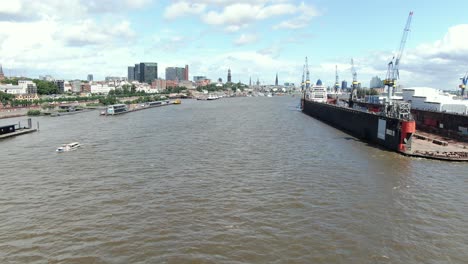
(68, 147)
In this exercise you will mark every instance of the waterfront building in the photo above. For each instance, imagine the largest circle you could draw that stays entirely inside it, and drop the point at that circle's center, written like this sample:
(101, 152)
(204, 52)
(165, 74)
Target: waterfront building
(148, 72)
(76, 86)
(131, 73)
(159, 84)
(376, 82)
(86, 87)
(174, 73)
(186, 73)
(100, 88)
(171, 83)
(48, 78)
(177, 73)
(198, 78)
(24, 90)
(61, 85)
(202, 82)
(23, 87)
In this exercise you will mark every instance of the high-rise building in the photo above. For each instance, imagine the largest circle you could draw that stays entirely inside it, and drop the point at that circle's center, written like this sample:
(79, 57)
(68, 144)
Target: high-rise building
(148, 72)
(229, 76)
(175, 74)
(131, 73)
(276, 80)
(136, 73)
(90, 78)
(344, 85)
(186, 73)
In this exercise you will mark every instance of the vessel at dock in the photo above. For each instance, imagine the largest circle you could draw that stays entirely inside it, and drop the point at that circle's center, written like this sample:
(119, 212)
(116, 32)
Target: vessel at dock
(116, 109)
(390, 126)
(393, 131)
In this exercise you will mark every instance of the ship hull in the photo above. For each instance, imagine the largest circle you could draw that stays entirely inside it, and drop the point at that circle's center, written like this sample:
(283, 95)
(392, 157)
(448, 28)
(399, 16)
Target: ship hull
(370, 127)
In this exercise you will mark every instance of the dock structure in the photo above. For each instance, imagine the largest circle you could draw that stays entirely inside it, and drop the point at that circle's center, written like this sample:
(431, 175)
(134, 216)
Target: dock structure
(425, 145)
(120, 109)
(14, 130)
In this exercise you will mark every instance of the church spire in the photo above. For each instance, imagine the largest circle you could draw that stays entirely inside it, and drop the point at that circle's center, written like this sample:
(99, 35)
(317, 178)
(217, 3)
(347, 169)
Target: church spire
(2, 76)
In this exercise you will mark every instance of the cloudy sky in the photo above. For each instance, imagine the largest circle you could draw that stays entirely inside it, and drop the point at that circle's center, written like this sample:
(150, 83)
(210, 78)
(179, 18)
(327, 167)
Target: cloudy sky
(69, 39)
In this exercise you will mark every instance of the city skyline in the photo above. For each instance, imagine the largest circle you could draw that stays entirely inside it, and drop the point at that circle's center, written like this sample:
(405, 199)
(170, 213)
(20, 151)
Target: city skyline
(254, 40)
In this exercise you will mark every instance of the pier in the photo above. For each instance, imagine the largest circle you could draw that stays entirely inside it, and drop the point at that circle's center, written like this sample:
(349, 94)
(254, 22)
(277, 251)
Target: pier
(14, 130)
(138, 107)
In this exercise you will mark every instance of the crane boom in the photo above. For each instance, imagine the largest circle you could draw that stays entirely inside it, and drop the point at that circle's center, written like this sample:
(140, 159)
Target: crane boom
(393, 73)
(402, 45)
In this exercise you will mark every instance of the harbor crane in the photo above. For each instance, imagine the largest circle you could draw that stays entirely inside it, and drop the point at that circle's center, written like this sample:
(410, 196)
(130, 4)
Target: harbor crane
(307, 74)
(463, 85)
(337, 82)
(303, 81)
(393, 66)
(354, 85)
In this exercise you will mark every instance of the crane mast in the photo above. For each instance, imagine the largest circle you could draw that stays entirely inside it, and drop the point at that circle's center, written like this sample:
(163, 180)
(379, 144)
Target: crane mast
(307, 74)
(393, 66)
(354, 85)
(463, 85)
(337, 82)
(303, 82)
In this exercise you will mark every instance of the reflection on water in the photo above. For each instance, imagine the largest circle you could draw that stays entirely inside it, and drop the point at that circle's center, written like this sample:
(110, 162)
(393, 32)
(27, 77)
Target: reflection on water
(243, 180)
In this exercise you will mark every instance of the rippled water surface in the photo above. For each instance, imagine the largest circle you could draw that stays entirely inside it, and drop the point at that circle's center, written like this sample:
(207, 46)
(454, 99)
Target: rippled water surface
(242, 180)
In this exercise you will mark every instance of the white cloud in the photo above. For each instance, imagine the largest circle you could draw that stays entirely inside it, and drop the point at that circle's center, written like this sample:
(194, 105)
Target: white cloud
(183, 8)
(241, 13)
(87, 32)
(305, 15)
(245, 39)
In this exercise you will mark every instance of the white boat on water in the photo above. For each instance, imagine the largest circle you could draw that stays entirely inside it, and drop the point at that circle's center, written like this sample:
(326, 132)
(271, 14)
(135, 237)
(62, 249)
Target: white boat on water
(68, 147)
(212, 97)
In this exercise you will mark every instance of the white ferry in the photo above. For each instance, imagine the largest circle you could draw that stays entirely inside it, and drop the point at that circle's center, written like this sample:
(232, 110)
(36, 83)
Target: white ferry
(68, 147)
(116, 109)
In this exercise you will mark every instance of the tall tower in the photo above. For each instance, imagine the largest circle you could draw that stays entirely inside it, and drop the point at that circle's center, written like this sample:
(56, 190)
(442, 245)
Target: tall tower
(229, 76)
(258, 82)
(186, 73)
(337, 81)
(2, 76)
(276, 80)
(250, 81)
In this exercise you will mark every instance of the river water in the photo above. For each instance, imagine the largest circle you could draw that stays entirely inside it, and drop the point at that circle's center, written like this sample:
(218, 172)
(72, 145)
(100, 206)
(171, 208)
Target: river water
(241, 180)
